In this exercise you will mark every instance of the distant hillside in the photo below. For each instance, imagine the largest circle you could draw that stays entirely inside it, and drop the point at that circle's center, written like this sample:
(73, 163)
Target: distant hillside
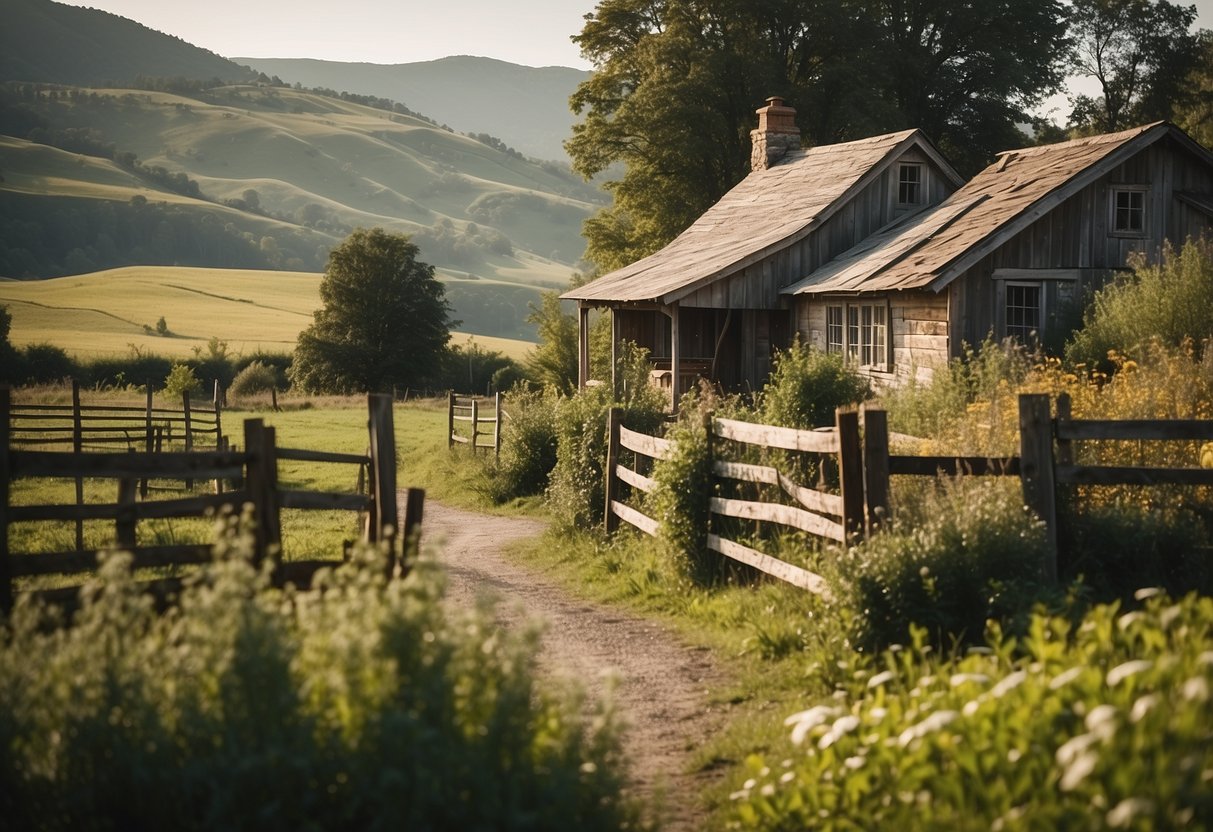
(257, 177)
(45, 41)
(526, 107)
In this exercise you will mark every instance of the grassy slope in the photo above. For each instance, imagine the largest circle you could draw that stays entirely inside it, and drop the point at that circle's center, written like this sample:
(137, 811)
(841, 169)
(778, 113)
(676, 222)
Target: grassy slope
(105, 313)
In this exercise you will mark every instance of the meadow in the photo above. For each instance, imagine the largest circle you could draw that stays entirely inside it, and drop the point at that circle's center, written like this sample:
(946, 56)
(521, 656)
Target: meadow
(115, 312)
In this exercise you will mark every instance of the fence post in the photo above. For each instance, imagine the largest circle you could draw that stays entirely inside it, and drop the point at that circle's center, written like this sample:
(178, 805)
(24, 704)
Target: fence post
(383, 525)
(414, 506)
(220, 445)
(189, 433)
(261, 483)
(450, 419)
(497, 425)
(614, 417)
(850, 470)
(6, 572)
(150, 439)
(124, 524)
(78, 447)
(875, 468)
(1065, 448)
(475, 423)
(1036, 471)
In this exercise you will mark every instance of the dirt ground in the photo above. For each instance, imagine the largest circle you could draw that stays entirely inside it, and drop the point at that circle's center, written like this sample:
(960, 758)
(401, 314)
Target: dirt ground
(661, 684)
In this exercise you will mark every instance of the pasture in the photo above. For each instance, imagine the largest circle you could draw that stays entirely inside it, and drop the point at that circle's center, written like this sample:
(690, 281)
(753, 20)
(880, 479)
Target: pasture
(115, 312)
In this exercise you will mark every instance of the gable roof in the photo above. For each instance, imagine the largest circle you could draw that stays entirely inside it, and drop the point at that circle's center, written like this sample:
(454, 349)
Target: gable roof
(933, 248)
(768, 210)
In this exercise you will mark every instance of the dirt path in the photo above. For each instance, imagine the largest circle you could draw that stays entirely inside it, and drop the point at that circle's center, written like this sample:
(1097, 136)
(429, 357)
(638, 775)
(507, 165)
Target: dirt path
(661, 683)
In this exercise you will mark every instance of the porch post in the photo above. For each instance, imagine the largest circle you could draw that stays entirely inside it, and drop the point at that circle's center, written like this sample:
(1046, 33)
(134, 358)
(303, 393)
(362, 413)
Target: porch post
(675, 358)
(583, 346)
(614, 354)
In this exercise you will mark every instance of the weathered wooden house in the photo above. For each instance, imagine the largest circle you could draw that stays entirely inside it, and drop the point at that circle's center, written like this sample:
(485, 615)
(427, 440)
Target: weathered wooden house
(874, 249)
(1012, 253)
(712, 302)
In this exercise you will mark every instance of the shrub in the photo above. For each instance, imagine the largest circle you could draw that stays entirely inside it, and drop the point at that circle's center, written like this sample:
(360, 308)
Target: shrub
(46, 363)
(972, 554)
(680, 498)
(528, 447)
(181, 379)
(1170, 301)
(807, 386)
(361, 704)
(254, 379)
(1102, 725)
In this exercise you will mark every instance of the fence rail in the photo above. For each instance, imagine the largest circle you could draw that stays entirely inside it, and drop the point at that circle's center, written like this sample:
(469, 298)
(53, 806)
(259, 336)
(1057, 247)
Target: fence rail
(865, 466)
(472, 409)
(256, 469)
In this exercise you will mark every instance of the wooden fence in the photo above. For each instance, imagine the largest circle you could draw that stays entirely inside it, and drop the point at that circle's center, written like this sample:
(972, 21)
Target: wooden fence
(471, 409)
(255, 469)
(865, 465)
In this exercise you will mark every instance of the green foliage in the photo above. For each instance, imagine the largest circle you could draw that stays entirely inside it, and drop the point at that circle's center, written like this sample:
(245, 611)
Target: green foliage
(553, 363)
(1140, 52)
(933, 408)
(162, 326)
(680, 498)
(254, 379)
(676, 84)
(972, 554)
(361, 704)
(181, 379)
(384, 322)
(1170, 302)
(8, 353)
(807, 386)
(472, 369)
(528, 446)
(1099, 725)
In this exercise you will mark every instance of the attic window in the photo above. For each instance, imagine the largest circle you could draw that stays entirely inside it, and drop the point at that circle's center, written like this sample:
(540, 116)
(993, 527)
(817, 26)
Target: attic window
(909, 184)
(1129, 211)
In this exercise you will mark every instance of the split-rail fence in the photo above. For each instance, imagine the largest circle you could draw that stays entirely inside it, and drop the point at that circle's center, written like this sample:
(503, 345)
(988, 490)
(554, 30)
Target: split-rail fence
(484, 416)
(861, 501)
(253, 470)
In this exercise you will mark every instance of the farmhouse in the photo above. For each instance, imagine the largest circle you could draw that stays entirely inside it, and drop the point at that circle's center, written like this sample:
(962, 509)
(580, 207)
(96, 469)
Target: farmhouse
(877, 250)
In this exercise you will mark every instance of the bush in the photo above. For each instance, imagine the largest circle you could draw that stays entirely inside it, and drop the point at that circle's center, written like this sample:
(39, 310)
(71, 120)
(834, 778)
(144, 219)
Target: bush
(254, 379)
(1170, 302)
(680, 498)
(971, 555)
(807, 386)
(45, 364)
(361, 704)
(1102, 725)
(528, 447)
(181, 379)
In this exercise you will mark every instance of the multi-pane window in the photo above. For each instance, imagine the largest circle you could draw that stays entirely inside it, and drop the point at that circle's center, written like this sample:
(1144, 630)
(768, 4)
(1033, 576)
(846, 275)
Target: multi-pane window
(860, 331)
(1128, 211)
(909, 184)
(1023, 310)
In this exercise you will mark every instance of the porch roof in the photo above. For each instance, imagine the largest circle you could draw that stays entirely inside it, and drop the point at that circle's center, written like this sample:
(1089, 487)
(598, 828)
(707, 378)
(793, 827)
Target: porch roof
(766, 211)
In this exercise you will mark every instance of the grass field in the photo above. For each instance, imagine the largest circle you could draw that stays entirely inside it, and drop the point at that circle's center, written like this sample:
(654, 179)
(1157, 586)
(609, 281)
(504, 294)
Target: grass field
(110, 313)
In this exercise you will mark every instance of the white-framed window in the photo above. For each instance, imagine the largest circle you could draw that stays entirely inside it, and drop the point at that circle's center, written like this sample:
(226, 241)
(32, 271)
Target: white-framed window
(860, 332)
(1129, 211)
(909, 184)
(1024, 310)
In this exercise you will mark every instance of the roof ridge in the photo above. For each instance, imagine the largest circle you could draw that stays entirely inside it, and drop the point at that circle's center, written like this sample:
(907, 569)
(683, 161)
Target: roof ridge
(1082, 141)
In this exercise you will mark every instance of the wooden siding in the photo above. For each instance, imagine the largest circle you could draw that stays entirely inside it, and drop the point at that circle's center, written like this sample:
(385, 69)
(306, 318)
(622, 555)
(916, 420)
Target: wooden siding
(758, 286)
(1077, 235)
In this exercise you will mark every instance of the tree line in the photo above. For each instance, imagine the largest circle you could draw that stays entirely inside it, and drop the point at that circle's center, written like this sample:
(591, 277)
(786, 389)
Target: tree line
(676, 83)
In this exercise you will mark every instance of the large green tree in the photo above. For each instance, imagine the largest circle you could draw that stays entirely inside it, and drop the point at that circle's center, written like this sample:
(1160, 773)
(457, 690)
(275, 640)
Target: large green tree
(384, 322)
(1141, 53)
(676, 83)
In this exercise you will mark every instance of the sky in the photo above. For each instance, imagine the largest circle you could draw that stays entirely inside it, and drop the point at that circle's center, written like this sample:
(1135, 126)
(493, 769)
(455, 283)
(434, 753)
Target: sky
(528, 32)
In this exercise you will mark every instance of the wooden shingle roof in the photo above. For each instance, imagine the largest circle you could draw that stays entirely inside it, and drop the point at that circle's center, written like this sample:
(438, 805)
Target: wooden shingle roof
(936, 246)
(766, 211)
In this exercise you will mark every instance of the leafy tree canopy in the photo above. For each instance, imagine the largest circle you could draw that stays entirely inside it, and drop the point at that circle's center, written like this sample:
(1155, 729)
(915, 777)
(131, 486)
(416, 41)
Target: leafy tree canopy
(384, 321)
(1141, 52)
(676, 83)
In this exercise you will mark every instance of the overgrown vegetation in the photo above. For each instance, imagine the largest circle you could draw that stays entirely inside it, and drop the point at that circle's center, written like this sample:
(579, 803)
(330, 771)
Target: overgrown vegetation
(360, 704)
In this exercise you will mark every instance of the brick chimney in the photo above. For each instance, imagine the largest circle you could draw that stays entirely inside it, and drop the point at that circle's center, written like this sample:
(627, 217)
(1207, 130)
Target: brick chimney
(776, 135)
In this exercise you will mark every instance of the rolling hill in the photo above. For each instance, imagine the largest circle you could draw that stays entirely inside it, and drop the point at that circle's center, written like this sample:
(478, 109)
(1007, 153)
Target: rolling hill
(277, 176)
(526, 107)
(45, 41)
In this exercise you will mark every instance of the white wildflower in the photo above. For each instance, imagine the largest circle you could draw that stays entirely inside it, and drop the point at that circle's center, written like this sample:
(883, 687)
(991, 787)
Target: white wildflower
(880, 678)
(806, 721)
(1073, 747)
(1146, 593)
(841, 727)
(1196, 689)
(1143, 706)
(959, 679)
(1078, 770)
(1123, 671)
(1123, 813)
(1064, 678)
(1101, 721)
(1008, 684)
